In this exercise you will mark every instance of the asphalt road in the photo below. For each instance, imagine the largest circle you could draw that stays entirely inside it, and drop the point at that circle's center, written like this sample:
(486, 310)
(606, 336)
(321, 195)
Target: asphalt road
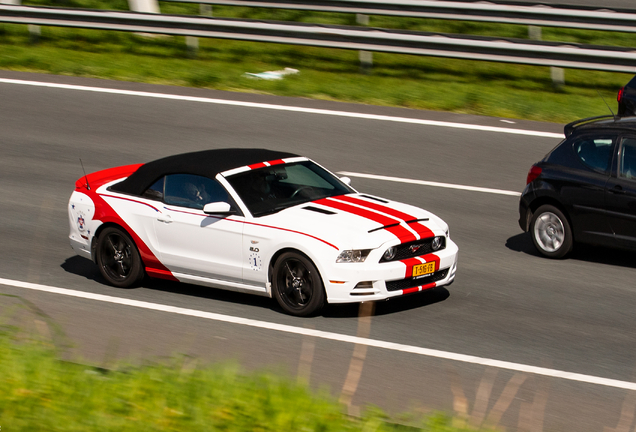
(507, 303)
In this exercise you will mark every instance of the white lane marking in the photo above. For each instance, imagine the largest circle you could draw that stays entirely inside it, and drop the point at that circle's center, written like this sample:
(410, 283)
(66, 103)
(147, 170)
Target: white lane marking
(429, 183)
(287, 108)
(590, 379)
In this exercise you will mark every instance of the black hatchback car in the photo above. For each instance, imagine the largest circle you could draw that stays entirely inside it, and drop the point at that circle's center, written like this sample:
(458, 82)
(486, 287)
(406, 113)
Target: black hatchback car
(584, 190)
(626, 98)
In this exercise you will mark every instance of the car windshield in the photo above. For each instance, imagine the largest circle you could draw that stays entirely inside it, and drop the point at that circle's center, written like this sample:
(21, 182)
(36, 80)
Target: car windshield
(271, 189)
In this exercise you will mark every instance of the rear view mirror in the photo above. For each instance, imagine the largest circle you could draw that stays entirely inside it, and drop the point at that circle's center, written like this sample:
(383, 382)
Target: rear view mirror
(346, 180)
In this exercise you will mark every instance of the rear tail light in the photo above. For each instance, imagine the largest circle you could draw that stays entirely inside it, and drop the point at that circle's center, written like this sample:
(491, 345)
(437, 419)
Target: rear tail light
(534, 172)
(619, 96)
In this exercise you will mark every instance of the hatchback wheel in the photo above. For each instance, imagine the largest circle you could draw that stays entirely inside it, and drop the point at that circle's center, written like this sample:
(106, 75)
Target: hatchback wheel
(551, 232)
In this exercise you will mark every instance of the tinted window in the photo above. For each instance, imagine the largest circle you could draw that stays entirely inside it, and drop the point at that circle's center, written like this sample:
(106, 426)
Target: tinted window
(627, 167)
(155, 191)
(192, 191)
(271, 189)
(595, 153)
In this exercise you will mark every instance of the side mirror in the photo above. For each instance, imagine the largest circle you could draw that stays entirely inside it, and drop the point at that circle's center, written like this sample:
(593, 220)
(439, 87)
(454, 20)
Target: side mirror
(218, 208)
(346, 180)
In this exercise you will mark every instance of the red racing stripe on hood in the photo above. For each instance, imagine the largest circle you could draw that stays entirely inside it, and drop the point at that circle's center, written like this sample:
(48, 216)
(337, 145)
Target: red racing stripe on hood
(422, 230)
(398, 230)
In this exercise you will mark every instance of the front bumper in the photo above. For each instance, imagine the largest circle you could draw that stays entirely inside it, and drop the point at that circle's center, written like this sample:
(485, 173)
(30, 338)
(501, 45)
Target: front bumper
(372, 280)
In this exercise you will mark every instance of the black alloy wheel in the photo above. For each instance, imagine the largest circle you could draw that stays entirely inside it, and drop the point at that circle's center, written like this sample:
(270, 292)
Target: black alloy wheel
(297, 285)
(551, 232)
(118, 258)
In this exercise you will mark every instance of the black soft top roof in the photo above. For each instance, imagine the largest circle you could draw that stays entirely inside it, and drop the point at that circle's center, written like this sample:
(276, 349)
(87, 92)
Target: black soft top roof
(206, 163)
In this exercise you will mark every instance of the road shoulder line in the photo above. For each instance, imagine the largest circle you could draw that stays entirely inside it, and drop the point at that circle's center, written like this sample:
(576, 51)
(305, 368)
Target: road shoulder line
(589, 379)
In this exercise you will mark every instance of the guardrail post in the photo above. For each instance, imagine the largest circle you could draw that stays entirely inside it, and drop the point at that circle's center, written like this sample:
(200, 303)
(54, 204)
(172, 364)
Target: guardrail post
(149, 6)
(205, 9)
(192, 42)
(556, 73)
(365, 57)
(34, 31)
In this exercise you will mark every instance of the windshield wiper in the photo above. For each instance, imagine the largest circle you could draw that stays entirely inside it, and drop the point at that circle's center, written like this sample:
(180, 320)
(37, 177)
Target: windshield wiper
(270, 211)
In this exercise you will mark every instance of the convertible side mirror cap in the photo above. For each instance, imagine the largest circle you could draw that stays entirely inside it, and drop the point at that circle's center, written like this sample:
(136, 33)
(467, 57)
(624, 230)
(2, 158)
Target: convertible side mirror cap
(218, 208)
(346, 180)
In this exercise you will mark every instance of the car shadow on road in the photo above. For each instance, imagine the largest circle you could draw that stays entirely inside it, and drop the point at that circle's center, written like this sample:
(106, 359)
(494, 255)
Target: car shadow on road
(581, 252)
(387, 307)
(86, 268)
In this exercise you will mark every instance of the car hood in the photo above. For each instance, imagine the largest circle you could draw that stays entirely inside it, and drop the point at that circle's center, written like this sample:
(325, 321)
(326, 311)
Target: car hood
(358, 221)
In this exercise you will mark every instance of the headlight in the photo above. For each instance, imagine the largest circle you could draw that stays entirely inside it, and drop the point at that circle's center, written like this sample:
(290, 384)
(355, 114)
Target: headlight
(353, 256)
(436, 243)
(389, 254)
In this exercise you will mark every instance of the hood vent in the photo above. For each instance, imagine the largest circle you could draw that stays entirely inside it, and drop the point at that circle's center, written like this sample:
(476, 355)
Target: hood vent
(397, 223)
(319, 210)
(375, 199)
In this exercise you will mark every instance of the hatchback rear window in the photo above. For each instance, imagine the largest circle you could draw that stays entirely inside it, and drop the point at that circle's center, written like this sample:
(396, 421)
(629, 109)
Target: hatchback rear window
(594, 153)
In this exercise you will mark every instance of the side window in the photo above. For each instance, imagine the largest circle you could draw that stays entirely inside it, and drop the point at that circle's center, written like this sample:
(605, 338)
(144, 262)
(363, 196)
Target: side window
(192, 191)
(155, 191)
(595, 153)
(627, 167)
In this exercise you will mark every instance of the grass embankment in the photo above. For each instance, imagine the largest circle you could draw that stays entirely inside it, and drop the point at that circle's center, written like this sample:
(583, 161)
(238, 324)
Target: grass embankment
(39, 392)
(484, 88)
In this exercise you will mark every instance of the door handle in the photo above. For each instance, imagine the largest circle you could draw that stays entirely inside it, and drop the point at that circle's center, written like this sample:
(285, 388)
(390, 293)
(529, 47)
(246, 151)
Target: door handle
(617, 189)
(164, 218)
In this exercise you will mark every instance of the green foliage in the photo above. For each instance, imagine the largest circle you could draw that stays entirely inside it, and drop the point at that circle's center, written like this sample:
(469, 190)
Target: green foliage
(40, 392)
(472, 87)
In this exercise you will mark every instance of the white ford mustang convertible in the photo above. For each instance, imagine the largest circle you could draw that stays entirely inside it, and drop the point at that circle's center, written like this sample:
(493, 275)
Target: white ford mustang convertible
(257, 221)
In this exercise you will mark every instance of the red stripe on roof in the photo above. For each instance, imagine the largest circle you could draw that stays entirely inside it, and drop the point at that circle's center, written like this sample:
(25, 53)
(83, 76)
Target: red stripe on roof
(399, 231)
(422, 230)
(264, 164)
(256, 166)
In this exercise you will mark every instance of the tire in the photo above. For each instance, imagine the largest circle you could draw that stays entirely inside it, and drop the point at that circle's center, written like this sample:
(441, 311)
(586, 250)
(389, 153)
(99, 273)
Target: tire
(297, 285)
(118, 258)
(551, 232)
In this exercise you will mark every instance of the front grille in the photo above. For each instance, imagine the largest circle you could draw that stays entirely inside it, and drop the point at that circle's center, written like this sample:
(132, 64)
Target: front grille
(410, 283)
(404, 250)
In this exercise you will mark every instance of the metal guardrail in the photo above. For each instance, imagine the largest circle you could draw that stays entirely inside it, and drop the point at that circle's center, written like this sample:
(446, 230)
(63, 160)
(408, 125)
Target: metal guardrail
(622, 20)
(356, 38)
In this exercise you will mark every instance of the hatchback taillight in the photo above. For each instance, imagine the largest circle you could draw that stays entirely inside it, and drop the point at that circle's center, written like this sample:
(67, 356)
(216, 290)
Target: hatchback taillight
(619, 96)
(533, 173)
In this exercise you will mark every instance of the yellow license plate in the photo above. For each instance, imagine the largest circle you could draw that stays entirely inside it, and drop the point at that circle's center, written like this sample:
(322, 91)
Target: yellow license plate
(423, 269)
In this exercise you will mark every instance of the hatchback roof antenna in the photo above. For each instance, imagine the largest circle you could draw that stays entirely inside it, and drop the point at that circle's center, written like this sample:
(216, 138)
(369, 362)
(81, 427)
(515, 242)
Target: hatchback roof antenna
(606, 104)
(85, 176)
